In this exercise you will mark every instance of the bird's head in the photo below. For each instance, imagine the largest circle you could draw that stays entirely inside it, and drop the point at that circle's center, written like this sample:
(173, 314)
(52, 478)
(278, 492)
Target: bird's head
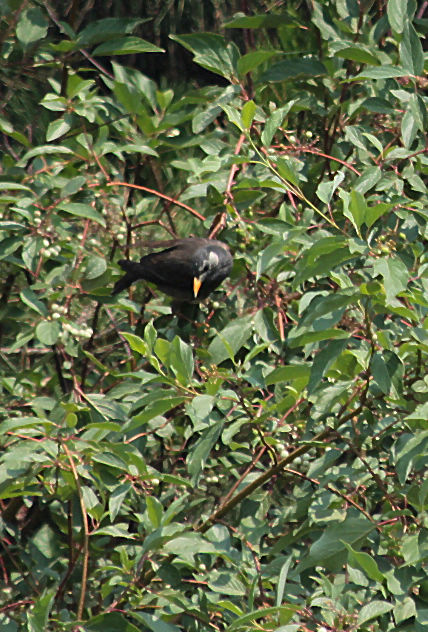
(213, 263)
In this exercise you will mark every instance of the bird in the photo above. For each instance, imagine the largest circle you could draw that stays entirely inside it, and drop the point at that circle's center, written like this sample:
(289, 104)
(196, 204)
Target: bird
(187, 269)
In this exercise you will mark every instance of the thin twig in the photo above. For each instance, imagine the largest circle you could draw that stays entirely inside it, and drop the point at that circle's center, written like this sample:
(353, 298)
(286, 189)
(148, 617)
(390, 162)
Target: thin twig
(159, 194)
(85, 548)
(333, 490)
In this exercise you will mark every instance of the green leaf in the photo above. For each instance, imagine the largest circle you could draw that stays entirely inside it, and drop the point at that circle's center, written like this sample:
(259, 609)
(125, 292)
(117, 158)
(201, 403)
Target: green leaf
(126, 46)
(89, 497)
(356, 210)
(378, 105)
(14, 186)
(235, 335)
(405, 609)
(82, 210)
(395, 275)
(409, 128)
(6, 126)
(382, 72)
(233, 115)
(408, 451)
(79, 87)
(419, 111)
(387, 371)
(411, 51)
(73, 186)
(116, 499)
(329, 550)
(180, 358)
(247, 114)
(47, 332)
(54, 103)
(373, 610)
(322, 257)
(110, 622)
(212, 52)
(202, 119)
(32, 26)
(322, 305)
(419, 414)
(225, 582)
(199, 409)
(106, 29)
(269, 256)
(30, 299)
(150, 335)
(284, 613)
(136, 343)
(9, 245)
(58, 128)
(325, 190)
(302, 339)
(288, 373)
(137, 148)
(282, 581)
(129, 98)
(359, 559)
(155, 403)
(31, 252)
(359, 54)
(162, 350)
(154, 511)
(323, 361)
(43, 150)
(187, 545)
(398, 14)
(268, 21)
(19, 423)
(154, 623)
(368, 179)
(20, 341)
(286, 171)
(95, 267)
(373, 213)
(106, 407)
(410, 545)
(250, 61)
(275, 121)
(293, 68)
(118, 530)
(200, 452)
(354, 133)
(38, 614)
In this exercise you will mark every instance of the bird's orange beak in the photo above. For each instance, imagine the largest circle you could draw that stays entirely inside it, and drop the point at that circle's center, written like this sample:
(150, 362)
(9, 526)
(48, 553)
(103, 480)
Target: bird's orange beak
(196, 286)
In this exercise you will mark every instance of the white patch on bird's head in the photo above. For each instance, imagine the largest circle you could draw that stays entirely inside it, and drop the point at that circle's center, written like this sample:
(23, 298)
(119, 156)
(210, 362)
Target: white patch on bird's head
(213, 259)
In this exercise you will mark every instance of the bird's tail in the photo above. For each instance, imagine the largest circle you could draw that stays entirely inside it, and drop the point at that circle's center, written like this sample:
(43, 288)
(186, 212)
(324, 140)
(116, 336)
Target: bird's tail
(133, 273)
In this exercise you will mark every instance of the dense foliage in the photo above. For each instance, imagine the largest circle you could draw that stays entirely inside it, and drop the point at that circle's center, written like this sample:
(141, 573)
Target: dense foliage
(257, 463)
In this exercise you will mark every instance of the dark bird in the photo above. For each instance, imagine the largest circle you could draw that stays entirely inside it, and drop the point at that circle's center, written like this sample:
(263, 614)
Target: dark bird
(187, 269)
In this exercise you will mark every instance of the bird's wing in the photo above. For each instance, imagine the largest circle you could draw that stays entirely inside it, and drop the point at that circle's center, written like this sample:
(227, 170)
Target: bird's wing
(162, 267)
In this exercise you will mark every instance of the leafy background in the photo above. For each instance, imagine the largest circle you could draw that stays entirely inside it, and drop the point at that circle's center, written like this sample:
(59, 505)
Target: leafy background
(258, 463)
